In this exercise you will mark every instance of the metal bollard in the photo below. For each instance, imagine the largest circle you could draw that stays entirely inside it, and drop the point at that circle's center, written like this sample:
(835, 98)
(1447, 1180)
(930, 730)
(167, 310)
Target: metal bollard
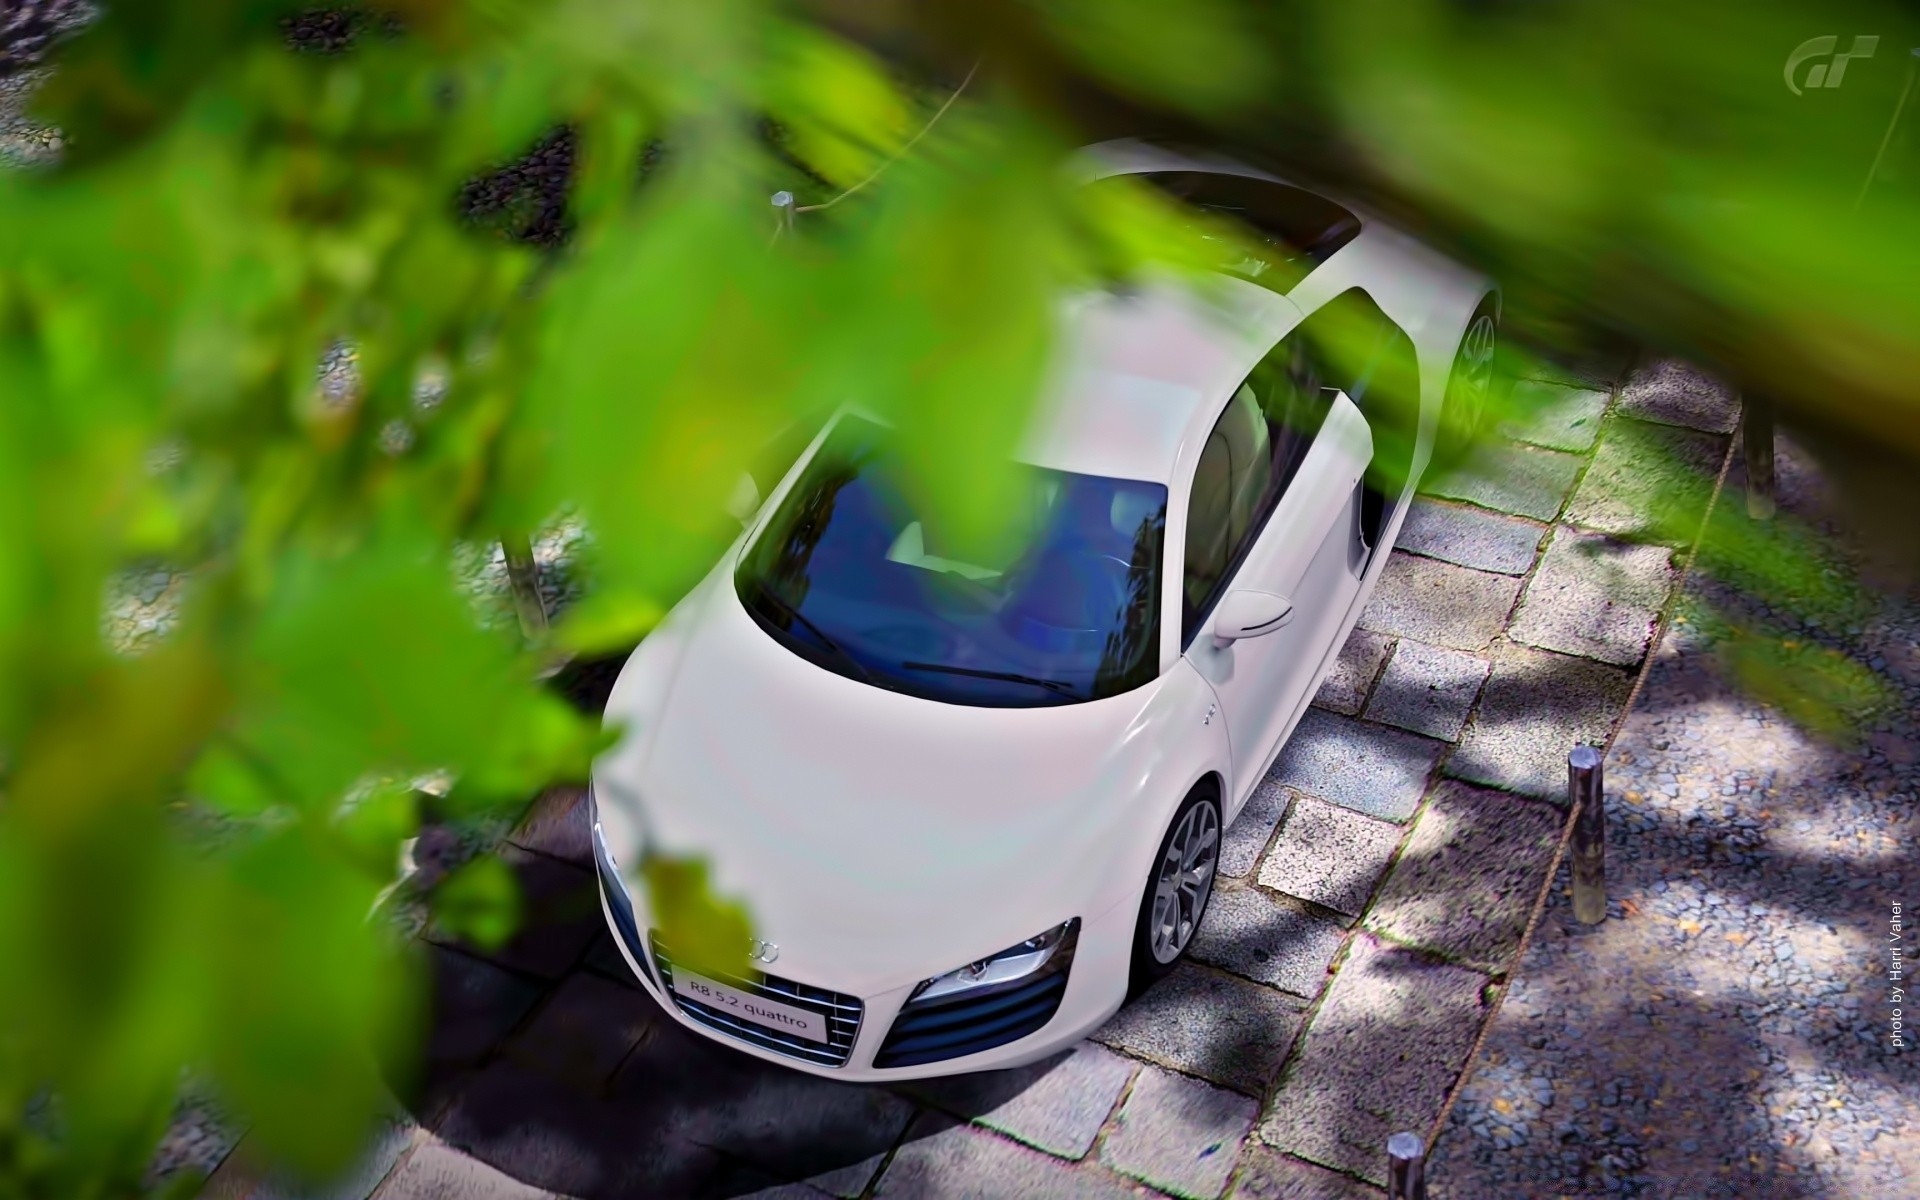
(1406, 1167)
(1585, 789)
(1756, 447)
(783, 200)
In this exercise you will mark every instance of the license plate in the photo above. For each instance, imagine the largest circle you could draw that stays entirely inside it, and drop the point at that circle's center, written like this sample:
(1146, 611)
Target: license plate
(757, 1010)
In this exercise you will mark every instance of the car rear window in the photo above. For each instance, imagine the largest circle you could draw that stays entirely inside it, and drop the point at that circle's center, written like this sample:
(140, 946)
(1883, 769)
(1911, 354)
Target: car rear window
(1298, 228)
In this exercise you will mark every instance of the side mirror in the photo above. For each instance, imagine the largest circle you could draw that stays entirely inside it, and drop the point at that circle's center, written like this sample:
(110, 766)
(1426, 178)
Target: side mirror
(745, 500)
(1246, 613)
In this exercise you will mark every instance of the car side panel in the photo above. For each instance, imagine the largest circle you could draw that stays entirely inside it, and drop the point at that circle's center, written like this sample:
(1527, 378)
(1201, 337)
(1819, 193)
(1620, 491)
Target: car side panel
(1305, 553)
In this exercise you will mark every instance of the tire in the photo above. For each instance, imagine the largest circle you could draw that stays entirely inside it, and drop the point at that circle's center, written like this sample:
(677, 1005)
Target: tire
(1192, 838)
(1472, 385)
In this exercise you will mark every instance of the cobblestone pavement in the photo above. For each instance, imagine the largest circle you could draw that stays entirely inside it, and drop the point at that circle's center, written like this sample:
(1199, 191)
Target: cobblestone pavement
(1727, 1032)
(1373, 898)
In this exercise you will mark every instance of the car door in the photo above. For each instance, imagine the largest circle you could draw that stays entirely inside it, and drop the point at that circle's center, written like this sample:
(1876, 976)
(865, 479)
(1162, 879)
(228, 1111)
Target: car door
(1274, 507)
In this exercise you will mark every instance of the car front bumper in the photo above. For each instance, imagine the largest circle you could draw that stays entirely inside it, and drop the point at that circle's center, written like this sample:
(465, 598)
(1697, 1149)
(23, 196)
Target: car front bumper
(1096, 986)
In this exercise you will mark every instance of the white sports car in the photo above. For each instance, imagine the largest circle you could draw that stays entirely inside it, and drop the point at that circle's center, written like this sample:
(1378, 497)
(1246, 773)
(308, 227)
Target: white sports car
(972, 806)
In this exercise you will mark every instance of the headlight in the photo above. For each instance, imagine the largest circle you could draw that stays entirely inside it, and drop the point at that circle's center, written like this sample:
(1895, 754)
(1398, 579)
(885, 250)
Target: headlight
(1042, 954)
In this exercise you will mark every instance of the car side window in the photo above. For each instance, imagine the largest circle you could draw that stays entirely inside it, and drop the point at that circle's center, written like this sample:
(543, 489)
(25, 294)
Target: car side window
(1252, 452)
(1209, 523)
(1290, 229)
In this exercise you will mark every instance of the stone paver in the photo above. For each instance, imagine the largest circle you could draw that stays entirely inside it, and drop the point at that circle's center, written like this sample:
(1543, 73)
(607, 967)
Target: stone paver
(1554, 415)
(1252, 829)
(560, 915)
(1057, 1105)
(1265, 1175)
(1592, 369)
(1675, 393)
(1330, 855)
(237, 1180)
(1428, 689)
(1469, 876)
(1470, 537)
(556, 824)
(603, 958)
(436, 1171)
(738, 1179)
(1210, 1024)
(1381, 1054)
(1648, 481)
(565, 1140)
(1440, 603)
(475, 1004)
(1521, 480)
(945, 1160)
(584, 1031)
(787, 1124)
(848, 1183)
(1344, 690)
(1252, 934)
(1178, 1134)
(1595, 596)
(1738, 1047)
(1368, 768)
(1536, 706)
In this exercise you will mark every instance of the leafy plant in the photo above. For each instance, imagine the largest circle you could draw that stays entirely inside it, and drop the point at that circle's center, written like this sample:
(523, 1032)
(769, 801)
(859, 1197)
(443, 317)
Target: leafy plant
(195, 824)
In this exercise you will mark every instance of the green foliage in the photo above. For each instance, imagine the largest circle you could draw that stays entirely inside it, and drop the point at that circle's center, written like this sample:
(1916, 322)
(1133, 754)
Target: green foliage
(479, 903)
(707, 932)
(227, 210)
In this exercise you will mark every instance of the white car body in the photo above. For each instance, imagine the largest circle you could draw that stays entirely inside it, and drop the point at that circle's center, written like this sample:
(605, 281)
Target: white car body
(879, 839)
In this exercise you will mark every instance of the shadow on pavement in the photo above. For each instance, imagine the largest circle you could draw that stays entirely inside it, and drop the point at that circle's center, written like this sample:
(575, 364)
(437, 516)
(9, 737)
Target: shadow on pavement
(545, 1061)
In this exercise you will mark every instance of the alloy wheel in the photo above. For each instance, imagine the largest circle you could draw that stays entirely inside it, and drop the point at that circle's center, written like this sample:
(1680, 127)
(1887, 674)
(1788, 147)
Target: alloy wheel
(1185, 881)
(1473, 376)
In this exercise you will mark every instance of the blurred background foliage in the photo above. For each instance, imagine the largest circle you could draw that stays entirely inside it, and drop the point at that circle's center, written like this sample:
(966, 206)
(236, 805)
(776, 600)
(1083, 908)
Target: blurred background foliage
(533, 239)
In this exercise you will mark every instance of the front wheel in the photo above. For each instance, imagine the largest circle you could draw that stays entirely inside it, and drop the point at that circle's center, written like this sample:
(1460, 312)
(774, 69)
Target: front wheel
(1470, 386)
(1178, 889)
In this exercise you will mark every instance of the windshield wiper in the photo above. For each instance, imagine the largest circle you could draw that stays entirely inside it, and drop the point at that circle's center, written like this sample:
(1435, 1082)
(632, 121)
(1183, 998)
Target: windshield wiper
(833, 647)
(1052, 685)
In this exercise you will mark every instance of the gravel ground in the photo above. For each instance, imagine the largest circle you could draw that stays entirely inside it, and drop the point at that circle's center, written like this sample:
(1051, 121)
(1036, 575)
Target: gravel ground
(29, 30)
(202, 1134)
(23, 142)
(1726, 1032)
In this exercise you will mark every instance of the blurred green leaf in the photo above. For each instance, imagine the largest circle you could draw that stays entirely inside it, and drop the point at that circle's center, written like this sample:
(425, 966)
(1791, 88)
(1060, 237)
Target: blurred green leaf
(1815, 686)
(842, 113)
(607, 621)
(479, 903)
(709, 933)
(1196, 55)
(193, 823)
(305, 995)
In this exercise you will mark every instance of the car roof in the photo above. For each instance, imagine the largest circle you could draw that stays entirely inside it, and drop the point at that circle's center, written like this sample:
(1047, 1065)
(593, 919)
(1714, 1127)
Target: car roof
(1143, 371)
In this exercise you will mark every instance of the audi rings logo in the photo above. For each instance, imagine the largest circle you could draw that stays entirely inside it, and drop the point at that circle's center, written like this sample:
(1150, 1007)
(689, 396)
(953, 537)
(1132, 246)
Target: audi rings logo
(762, 952)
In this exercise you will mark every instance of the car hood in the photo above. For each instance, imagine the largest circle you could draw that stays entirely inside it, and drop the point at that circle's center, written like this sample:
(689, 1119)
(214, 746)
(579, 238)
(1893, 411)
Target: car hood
(877, 838)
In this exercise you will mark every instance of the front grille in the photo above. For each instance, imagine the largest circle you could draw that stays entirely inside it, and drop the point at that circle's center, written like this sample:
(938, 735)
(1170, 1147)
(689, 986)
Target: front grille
(969, 1022)
(841, 1011)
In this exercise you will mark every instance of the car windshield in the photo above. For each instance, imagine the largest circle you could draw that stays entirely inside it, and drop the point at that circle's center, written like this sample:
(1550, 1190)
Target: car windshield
(848, 575)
